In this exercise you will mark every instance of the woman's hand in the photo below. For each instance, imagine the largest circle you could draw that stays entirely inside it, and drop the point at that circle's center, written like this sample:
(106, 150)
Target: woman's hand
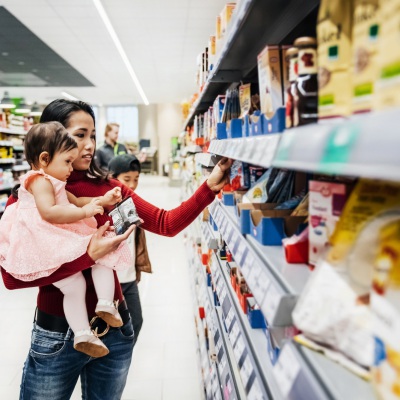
(112, 197)
(219, 176)
(100, 246)
(93, 208)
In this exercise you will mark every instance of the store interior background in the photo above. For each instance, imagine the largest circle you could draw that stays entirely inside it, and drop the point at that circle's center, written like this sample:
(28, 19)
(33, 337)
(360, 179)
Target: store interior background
(161, 40)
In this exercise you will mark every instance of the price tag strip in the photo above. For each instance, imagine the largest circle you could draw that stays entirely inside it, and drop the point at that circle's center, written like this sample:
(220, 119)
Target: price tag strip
(286, 370)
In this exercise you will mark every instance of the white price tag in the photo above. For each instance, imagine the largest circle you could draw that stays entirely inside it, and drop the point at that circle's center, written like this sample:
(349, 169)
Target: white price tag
(223, 295)
(286, 370)
(271, 303)
(255, 392)
(246, 370)
(229, 317)
(255, 271)
(240, 346)
(234, 333)
(240, 251)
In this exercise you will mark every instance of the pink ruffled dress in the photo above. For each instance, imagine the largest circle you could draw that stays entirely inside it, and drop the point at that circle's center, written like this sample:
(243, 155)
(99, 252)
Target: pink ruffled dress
(32, 248)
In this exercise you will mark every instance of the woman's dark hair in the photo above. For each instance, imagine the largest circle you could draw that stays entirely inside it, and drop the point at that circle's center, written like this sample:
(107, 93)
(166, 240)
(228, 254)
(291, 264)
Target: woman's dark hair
(50, 137)
(61, 110)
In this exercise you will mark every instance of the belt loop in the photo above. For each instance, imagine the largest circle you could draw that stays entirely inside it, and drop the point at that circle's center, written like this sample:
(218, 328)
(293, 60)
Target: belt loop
(68, 334)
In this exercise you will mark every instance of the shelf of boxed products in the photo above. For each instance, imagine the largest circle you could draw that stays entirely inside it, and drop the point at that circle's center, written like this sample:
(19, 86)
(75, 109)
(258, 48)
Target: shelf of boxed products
(223, 376)
(192, 149)
(299, 367)
(274, 283)
(13, 131)
(21, 167)
(257, 150)
(250, 346)
(254, 23)
(298, 373)
(363, 146)
(220, 346)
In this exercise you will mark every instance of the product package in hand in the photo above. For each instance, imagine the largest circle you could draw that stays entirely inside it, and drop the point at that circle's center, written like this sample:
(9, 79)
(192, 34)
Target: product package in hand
(124, 215)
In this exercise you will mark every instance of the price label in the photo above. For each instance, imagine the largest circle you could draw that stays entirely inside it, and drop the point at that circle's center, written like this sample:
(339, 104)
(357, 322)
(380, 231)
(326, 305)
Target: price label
(246, 370)
(240, 251)
(240, 346)
(223, 295)
(340, 143)
(286, 370)
(229, 317)
(271, 302)
(255, 392)
(262, 284)
(285, 145)
(255, 272)
(234, 333)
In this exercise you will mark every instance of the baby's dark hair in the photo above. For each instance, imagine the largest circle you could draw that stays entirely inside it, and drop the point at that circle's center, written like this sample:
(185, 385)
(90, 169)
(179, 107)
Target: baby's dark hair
(50, 137)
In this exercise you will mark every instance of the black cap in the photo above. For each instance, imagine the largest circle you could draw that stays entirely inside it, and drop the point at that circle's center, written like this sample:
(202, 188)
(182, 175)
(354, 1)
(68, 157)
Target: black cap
(123, 163)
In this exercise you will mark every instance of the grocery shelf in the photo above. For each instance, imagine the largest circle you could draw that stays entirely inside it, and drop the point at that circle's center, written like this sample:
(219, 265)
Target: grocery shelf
(257, 150)
(274, 283)
(6, 143)
(193, 149)
(339, 382)
(299, 373)
(22, 167)
(18, 148)
(13, 131)
(363, 146)
(254, 340)
(206, 159)
(254, 24)
(7, 160)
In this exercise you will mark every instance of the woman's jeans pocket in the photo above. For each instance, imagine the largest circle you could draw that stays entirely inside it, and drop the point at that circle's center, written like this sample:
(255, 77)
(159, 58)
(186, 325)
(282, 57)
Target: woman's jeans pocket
(46, 343)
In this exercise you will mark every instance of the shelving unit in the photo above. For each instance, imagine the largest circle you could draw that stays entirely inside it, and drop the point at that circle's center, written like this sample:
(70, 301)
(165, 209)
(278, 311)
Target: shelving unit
(254, 24)
(363, 145)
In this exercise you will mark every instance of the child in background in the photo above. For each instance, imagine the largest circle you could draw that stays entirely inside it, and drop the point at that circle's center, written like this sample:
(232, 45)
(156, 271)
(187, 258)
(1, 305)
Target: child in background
(126, 168)
(49, 226)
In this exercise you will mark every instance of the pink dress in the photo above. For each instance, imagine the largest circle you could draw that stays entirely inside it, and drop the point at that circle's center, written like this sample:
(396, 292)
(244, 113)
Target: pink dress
(32, 248)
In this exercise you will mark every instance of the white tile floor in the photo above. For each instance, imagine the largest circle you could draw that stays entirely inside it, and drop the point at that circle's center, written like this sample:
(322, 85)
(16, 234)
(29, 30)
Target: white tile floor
(164, 364)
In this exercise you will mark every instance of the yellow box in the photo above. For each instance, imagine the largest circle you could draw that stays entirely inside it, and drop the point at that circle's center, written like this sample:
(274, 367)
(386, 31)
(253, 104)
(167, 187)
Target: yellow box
(366, 28)
(226, 15)
(388, 85)
(334, 31)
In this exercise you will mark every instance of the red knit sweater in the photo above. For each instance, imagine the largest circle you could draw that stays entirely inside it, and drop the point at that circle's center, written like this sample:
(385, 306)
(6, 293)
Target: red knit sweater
(166, 223)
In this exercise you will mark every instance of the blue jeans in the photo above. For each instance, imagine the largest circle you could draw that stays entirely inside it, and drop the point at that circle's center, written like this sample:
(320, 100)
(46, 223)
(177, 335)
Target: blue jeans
(53, 366)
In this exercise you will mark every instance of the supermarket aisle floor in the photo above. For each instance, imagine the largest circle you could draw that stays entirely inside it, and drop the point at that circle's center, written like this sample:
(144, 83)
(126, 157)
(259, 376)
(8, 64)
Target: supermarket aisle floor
(164, 364)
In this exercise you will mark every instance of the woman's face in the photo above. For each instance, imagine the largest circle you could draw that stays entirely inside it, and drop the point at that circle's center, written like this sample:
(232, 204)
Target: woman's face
(81, 128)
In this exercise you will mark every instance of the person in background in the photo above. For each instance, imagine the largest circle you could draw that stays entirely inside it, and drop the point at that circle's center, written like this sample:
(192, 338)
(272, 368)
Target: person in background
(126, 168)
(111, 147)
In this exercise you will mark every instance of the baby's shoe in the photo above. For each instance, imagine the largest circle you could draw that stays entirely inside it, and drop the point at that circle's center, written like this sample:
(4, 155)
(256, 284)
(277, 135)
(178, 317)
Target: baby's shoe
(87, 342)
(107, 311)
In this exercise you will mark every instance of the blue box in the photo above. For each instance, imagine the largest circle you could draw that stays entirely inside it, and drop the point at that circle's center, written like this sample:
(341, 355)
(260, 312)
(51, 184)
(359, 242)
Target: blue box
(228, 198)
(221, 131)
(256, 319)
(266, 225)
(235, 129)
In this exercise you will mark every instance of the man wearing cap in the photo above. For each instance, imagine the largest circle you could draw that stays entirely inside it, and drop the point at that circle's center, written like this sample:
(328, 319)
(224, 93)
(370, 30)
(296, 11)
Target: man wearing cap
(111, 147)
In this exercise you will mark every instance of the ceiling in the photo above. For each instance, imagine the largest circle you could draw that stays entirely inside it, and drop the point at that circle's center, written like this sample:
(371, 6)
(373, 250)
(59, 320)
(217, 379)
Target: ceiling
(161, 38)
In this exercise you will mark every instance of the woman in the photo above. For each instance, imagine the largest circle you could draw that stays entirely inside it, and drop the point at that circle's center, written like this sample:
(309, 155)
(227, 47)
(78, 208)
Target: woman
(52, 367)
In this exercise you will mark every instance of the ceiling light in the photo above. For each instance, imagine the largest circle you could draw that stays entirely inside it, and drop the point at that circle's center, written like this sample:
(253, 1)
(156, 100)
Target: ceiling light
(35, 110)
(69, 96)
(22, 107)
(120, 49)
(6, 101)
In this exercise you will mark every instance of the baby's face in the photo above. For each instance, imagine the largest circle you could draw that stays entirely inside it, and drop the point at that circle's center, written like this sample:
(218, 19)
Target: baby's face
(130, 179)
(60, 166)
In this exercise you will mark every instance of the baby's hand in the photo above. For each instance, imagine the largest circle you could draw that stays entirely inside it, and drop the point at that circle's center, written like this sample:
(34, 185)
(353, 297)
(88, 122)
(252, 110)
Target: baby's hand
(112, 197)
(93, 208)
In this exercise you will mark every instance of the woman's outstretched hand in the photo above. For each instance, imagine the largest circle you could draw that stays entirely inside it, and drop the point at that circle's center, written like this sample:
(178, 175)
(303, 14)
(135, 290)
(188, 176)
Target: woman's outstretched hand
(219, 176)
(100, 245)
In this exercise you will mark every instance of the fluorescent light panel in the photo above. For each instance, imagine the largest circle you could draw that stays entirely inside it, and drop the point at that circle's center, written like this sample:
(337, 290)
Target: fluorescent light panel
(69, 96)
(120, 49)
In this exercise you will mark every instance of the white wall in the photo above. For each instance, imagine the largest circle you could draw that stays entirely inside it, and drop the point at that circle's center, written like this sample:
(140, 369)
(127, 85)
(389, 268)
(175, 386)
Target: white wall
(159, 123)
